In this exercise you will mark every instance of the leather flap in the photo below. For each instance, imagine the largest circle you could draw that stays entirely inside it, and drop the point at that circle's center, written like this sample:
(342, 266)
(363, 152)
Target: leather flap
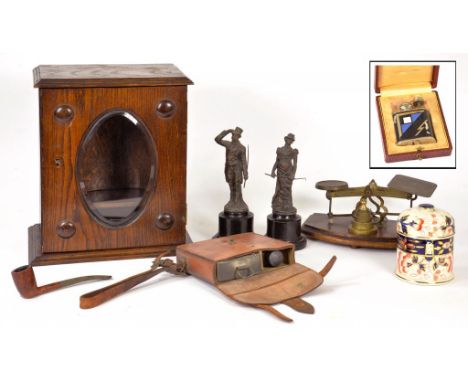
(274, 286)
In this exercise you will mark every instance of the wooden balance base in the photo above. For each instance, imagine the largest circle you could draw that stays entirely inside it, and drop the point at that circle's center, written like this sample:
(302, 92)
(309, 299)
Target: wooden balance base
(36, 257)
(335, 231)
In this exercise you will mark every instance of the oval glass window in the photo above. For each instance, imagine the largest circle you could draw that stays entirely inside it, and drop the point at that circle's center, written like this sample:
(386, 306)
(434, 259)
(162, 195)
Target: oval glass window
(116, 168)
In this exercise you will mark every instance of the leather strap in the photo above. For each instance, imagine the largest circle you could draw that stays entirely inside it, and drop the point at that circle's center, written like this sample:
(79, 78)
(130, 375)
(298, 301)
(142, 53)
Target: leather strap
(327, 267)
(273, 311)
(300, 305)
(97, 297)
(297, 304)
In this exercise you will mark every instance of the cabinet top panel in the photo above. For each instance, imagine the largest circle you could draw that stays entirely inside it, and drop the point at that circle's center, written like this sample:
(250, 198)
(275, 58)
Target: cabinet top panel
(84, 76)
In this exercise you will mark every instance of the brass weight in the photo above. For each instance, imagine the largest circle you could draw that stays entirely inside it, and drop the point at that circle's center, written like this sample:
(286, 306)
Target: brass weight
(363, 223)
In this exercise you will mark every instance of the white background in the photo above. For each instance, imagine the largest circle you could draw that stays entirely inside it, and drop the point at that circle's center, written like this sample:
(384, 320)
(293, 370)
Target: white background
(271, 68)
(446, 90)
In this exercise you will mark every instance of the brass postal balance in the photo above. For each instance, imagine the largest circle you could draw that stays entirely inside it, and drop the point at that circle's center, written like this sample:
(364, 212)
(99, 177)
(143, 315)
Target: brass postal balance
(364, 227)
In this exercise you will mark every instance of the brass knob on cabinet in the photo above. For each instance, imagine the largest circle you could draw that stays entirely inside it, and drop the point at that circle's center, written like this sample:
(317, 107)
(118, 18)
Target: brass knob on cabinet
(64, 113)
(65, 229)
(165, 221)
(165, 109)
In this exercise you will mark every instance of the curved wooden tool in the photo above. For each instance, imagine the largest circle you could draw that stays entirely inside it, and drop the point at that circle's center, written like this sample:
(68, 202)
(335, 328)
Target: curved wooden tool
(26, 284)
(98, 297)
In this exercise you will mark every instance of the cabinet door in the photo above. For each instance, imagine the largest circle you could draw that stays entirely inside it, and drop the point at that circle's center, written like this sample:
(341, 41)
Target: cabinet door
(113, 168)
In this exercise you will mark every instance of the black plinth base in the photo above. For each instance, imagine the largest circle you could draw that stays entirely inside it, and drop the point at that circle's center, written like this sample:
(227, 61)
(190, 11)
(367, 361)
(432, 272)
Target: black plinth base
(232, 224)
(287, 228)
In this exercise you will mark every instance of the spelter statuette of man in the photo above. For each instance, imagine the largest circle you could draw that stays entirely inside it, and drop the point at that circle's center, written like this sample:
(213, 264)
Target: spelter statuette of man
(235, 170)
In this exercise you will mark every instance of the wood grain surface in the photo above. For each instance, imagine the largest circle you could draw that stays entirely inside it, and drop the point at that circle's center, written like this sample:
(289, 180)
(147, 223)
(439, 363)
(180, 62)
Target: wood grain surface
(60, 198)
(318, 227)
(79, 76)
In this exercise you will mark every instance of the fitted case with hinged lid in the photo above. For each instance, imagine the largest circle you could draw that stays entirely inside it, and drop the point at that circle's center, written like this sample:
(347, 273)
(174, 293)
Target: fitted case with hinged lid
(401, 85)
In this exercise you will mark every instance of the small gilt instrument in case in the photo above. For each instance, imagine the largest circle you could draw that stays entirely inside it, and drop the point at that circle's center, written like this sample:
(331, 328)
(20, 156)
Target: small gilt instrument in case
(411, 119)
(413, 125)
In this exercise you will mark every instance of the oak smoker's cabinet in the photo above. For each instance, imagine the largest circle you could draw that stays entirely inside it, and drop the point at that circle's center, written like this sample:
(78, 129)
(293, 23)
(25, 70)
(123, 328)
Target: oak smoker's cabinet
(113, 162)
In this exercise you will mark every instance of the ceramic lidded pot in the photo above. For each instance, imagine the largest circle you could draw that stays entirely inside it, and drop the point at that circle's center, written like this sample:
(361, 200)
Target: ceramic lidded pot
(425, 245)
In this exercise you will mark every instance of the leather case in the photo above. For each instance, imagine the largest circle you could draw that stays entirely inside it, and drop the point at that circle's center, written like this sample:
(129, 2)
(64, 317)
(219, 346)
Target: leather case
(254, 270)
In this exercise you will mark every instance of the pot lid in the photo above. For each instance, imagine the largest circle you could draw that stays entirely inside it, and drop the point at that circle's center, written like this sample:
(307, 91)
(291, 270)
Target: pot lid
(426, 222)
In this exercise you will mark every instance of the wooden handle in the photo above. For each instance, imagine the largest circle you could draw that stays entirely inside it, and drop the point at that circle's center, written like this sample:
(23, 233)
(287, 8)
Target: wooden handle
(97, 297)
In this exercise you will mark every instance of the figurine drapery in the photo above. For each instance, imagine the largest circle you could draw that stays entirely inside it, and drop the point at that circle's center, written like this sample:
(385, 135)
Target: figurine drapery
(284, 170)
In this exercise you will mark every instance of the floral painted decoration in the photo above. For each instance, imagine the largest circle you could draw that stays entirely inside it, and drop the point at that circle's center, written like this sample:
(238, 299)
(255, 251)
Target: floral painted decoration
(425, 245)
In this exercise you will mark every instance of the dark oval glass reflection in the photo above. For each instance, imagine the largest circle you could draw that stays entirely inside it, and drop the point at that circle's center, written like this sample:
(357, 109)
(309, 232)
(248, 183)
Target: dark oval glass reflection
(116, 168)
